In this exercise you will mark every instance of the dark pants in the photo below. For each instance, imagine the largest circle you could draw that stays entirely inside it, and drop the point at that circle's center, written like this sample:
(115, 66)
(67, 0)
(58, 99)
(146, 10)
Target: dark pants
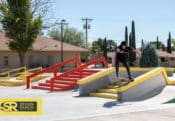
(125, 64)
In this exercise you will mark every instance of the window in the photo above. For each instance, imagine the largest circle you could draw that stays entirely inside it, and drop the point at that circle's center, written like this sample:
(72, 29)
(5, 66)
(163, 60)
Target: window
(49, 60)
(6, 60)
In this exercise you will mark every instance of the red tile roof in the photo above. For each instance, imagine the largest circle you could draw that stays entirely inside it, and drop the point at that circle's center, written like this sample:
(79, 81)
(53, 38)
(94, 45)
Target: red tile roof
(43, 44)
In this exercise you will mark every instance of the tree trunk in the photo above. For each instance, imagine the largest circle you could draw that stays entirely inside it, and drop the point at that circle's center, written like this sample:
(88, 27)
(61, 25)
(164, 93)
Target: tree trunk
(22, 58)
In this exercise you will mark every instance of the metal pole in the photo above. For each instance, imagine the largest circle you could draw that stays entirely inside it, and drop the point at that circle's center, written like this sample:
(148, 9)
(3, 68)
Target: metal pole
(62, 40)
(62, 23)
(86, 26)
(86, 31)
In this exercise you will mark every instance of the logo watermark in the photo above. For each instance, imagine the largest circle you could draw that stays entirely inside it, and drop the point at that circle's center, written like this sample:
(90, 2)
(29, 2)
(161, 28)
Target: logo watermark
(20, 106)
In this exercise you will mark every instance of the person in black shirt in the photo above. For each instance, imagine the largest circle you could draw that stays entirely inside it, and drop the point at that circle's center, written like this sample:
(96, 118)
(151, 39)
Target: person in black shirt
(122, 54)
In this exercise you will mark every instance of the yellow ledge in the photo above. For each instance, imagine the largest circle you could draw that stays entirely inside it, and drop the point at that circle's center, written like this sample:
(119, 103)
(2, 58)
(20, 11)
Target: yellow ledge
(135, 69)
(150, 73)
(106, 72)
(96, 76)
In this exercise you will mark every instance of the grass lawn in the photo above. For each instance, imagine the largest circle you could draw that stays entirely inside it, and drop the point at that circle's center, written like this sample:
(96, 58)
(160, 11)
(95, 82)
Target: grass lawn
(170, 101)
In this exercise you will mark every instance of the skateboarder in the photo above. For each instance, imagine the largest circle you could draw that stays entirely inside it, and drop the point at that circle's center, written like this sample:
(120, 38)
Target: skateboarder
(122, 53)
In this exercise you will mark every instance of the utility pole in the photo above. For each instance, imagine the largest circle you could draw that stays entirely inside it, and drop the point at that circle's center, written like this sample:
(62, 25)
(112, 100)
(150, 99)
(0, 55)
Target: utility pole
(86, 26)
(62, 23)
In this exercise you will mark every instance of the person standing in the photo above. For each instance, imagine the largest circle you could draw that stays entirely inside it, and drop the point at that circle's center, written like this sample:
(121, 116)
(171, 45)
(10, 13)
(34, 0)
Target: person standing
(122, 53)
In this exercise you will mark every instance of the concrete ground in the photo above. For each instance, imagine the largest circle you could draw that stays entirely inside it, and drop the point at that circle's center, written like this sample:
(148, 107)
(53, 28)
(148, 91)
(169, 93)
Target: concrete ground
(154, 115)
(68, 106)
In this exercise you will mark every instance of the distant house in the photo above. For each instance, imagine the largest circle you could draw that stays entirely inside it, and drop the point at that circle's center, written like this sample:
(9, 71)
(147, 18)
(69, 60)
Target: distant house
(45, 52)
(167, 59)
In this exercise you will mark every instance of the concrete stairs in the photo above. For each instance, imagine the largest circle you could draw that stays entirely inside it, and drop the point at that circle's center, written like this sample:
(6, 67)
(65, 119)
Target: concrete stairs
(111, 91)
(65, 82)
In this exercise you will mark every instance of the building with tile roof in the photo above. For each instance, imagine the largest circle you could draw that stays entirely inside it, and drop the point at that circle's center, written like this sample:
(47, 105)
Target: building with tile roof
(45, 52)
(167, 59)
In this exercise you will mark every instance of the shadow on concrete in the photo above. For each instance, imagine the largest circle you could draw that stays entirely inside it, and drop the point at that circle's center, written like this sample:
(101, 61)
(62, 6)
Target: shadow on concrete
(80, 96)
(114, 103)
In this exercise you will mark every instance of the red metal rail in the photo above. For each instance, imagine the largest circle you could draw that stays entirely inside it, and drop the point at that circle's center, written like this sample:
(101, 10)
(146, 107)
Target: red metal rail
(53, 68)
(79, 69)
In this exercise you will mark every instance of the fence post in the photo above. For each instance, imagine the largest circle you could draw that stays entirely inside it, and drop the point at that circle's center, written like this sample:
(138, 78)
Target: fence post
(24, 73)
(27, 83)
(78, 61)
(105, 62)
(51, 84)
(55, 72)
(81, 73)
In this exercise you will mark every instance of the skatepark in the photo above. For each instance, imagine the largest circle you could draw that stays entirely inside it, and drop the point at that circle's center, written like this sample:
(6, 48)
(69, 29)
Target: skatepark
(85, 92)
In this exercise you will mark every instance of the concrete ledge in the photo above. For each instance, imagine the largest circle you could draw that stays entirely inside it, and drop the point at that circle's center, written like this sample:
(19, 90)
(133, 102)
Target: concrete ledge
(122, 72)
(102, 73)
(146, 89)
(102, 80)
(155, 79)
(96, 81)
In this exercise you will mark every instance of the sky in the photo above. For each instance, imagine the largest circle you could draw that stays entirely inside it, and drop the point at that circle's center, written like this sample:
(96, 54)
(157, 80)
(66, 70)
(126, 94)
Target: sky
(152, 17)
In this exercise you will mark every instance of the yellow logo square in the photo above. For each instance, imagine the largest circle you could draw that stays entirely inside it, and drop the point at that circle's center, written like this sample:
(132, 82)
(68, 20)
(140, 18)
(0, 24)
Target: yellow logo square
(20, 106)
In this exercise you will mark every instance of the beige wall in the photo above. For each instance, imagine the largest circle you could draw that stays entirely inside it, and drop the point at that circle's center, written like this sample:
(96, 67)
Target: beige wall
(35, 58)
(12, 58)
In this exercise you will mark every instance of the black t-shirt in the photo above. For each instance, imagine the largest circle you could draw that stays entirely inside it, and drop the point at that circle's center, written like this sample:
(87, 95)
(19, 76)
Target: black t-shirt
(123, 57)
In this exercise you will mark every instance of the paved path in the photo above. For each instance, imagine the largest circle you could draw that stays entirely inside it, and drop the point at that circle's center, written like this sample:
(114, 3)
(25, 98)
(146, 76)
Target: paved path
(68, 105)
(155, 115)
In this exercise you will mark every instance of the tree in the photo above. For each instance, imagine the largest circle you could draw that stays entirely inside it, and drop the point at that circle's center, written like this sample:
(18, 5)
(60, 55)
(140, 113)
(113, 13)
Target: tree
(105, 46)
(132, 44)
(130, 39)
(71, 36)
(126, 34)
(142, 44)
(173, 44)
(21, 25)
(102, 43)
(149, 57)
(111, 45)
(133, 38)
(96, 50)
(169, 50)
(159, 43)
(105, 51)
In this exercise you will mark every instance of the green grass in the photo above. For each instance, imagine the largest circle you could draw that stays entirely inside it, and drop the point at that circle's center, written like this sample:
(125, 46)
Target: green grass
(170, 101)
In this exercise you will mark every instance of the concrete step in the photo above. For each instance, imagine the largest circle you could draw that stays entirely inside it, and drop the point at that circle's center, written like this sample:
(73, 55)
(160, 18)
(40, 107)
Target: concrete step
(104, 95)
(46, 88)
(73, 76)
(68, 79)
(111, 91)
(83, 73)
(112, 86)
(93, 71)
(62, 86)
(117, 85)
(63, 82)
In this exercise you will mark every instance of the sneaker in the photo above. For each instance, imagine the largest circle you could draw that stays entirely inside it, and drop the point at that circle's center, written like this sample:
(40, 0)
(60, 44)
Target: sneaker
(131, 79)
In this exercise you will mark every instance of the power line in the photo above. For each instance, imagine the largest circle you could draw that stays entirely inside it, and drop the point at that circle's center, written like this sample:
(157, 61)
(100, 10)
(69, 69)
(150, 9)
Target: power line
(86, 26)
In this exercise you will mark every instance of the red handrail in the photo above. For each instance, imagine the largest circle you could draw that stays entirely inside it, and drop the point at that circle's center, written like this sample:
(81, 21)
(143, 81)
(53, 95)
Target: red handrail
(101, 59)
(53, 68)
